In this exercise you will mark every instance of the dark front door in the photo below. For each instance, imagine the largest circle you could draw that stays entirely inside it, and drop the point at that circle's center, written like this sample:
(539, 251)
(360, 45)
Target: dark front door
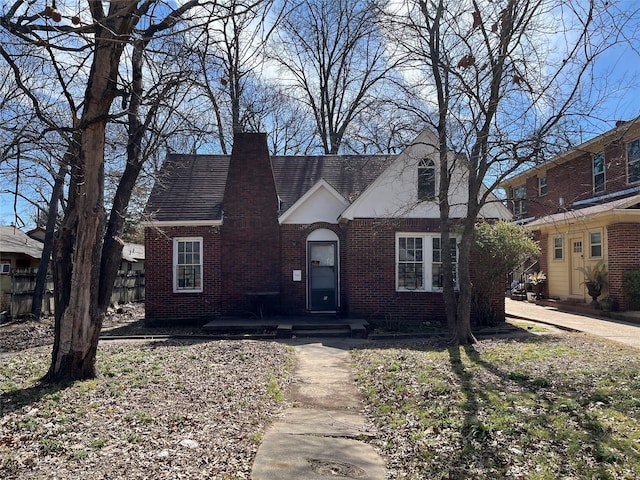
(323, 276)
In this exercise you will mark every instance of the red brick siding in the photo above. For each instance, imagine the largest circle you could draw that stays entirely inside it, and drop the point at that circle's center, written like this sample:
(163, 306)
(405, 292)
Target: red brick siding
(294, 257)
(250, 230)
(623, 248)
(573, 181)
(370, 278)
(161, 304)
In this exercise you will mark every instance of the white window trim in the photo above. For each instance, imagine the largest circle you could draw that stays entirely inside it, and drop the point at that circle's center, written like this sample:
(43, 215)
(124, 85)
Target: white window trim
(555, 249)
(427, 259)
(177, 240)
(5, 268)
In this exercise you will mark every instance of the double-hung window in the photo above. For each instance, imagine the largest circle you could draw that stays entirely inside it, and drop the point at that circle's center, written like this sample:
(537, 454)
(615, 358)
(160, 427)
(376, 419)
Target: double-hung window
(410, 263)
(419, 262)
(598, 173)
(633, 161)
(542, 186)
(558, 248)
(187, 264)
(520, 200)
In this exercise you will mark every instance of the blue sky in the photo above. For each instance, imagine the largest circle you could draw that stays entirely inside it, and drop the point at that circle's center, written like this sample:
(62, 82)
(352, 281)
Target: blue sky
(618, 73)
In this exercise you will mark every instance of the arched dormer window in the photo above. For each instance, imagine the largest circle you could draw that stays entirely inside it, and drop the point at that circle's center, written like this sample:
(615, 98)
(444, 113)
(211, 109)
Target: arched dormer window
(426, 180)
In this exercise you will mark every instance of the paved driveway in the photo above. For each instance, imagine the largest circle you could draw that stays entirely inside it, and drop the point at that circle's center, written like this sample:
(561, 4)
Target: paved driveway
(617, 330)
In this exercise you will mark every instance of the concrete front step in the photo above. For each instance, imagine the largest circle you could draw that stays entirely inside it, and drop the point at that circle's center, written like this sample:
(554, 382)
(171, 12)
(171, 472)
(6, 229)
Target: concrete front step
(321, 333)
(292, 327)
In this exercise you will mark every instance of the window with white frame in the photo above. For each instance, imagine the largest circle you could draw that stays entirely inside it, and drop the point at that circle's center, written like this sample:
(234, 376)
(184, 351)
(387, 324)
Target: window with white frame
(5, 268)
(419, 261)
(542, 186)
(426, 180)
(633, 161)
(187, 264)
(520, 200)
(595, 244)
(598, 173)
(558, 248)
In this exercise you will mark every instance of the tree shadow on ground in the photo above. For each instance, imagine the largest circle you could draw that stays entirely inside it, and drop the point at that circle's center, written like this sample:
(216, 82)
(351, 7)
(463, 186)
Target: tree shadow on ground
(562, 416)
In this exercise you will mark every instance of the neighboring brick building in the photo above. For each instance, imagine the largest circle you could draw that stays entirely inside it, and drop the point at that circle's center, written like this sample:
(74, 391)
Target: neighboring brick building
(350, 235)
(584, 206)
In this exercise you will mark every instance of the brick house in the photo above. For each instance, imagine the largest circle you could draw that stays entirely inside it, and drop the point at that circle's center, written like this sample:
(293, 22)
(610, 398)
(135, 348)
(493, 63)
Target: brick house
(347, 235)
(584, 206)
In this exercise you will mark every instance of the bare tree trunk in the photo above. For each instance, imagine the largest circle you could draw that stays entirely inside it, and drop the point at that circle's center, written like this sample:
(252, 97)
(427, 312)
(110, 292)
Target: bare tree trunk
(77, 265)
(460, 331)
(78, 246)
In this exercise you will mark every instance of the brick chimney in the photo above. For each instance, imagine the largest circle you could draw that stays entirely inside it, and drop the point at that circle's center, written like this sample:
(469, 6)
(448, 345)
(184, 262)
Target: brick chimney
(250, 232)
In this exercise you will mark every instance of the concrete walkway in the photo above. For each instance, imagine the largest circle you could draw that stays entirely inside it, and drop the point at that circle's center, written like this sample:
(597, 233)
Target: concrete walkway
(321, 436)
(617, 330)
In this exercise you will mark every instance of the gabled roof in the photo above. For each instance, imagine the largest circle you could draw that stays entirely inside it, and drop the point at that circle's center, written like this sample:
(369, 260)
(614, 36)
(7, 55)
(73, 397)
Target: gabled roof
(190, 188)
(321, 203)
(349, 175)
(14, 240)
(620, 208)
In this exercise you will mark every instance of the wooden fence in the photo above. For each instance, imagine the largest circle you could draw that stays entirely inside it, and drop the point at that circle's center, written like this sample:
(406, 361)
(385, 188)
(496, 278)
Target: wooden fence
(17, 295)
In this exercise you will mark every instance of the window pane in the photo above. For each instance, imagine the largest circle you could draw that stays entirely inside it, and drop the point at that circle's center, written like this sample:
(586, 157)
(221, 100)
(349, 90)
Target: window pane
(558, 248)
(426, 180)
(542, 183)
(598, 173)
(188, 265)
(596, 244)
(410, 267)
(437, 254)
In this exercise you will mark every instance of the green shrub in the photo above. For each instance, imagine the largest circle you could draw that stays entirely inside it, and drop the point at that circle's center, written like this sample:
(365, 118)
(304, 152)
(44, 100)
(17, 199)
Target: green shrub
(631, 285)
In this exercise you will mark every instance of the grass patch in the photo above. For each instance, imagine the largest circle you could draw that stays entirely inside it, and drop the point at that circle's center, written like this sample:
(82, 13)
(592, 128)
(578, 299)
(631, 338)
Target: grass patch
(542, 408)
(528, 326)
(274, 391)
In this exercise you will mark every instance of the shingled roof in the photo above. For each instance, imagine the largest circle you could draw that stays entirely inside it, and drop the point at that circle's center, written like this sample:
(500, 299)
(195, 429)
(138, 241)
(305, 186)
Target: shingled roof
(191, 187)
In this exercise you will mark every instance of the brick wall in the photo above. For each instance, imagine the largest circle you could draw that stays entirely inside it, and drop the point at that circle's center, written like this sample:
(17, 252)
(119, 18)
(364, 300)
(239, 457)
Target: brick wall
(294, 257)
(161, 304)
(370, 278)
(250, 234)
(623, 248)
(573, 181)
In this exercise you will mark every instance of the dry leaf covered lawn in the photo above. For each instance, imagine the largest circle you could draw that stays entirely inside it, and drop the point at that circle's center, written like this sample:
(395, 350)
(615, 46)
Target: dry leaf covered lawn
(546, 407)
(164, 410)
